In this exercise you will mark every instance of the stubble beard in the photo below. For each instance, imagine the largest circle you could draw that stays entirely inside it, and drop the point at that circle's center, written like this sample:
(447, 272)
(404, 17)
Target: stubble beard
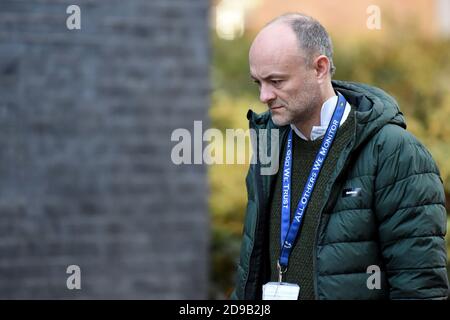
(300, 110)
(305, 110)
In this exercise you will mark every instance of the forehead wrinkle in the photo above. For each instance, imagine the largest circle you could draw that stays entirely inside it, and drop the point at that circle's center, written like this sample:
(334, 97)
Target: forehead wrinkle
(264, 68)
(270, 73)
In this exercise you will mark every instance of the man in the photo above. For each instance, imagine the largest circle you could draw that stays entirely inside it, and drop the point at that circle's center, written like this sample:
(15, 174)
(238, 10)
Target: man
(356, 209)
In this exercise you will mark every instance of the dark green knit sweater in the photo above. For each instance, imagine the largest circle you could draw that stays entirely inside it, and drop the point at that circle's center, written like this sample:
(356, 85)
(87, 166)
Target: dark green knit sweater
(300, 269)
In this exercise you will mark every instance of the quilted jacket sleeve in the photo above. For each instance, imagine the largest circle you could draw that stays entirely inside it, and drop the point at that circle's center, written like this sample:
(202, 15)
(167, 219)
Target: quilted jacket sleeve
(250, 217)
(410, 208)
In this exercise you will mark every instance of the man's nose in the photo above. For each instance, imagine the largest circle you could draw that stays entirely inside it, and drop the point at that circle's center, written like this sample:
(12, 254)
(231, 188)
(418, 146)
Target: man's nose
(266, 94)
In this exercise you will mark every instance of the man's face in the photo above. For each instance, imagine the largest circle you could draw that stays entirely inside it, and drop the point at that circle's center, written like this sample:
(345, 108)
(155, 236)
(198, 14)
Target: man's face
(287, 85)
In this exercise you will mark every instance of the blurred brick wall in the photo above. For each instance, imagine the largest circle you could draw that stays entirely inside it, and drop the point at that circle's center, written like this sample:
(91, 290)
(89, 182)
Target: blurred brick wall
(86, 177)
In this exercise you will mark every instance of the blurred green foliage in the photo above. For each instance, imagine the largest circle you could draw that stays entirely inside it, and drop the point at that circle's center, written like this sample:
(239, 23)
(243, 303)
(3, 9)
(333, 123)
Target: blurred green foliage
(413, 68)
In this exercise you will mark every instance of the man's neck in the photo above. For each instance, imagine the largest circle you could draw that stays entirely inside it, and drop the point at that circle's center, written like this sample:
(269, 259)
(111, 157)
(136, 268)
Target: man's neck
(306, 126)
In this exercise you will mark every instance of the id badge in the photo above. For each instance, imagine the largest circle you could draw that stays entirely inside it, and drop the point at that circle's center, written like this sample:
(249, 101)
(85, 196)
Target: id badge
(280, 291)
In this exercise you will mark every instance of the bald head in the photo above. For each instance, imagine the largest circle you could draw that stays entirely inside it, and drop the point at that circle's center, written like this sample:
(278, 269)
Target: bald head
(274, 43)
(312, 39)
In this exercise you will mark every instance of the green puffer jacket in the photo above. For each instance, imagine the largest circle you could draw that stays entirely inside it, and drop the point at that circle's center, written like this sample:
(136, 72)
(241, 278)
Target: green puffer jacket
(398, 222)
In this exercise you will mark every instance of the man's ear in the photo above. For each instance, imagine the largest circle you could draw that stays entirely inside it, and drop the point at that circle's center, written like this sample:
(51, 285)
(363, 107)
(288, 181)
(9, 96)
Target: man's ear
(322, 67)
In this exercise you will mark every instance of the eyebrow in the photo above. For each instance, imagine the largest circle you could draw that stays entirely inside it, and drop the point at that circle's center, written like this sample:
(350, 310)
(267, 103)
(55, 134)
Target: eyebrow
(270, 75)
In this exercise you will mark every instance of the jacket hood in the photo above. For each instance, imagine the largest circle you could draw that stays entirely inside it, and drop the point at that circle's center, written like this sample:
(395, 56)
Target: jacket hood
(374, 108)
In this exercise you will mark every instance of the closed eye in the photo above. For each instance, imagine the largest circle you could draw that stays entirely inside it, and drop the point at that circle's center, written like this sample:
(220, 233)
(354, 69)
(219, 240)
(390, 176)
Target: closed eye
(276, 82)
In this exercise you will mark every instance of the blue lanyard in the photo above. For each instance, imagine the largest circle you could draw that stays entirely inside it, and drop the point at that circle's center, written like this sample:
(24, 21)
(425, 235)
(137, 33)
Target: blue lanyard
(289, 230)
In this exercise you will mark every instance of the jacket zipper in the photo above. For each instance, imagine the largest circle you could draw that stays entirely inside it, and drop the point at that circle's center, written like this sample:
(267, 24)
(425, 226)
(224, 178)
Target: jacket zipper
(259, 192)
(326, 204)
